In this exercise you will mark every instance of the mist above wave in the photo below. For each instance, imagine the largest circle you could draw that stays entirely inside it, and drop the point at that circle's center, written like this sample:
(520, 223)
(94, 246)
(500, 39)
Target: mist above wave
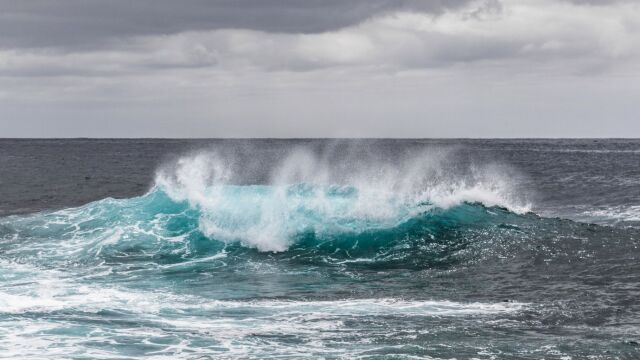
(333, 191)
(320, 206)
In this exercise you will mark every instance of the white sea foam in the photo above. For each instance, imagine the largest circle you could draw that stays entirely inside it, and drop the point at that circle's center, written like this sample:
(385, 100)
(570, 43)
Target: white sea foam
(307, 192)
(234, 328)
(618, 215)
(48, 294)
(615, 214)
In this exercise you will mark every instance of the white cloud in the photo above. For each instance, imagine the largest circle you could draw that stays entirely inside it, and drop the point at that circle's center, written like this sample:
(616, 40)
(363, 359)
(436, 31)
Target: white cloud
(576, 37)
(467, 71)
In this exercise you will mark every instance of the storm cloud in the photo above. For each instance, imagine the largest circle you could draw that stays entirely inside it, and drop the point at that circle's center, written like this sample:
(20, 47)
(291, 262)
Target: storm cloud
(89, 23)
(318, 68)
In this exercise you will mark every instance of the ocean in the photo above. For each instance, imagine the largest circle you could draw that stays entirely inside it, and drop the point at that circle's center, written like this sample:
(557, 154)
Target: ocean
(336, 249)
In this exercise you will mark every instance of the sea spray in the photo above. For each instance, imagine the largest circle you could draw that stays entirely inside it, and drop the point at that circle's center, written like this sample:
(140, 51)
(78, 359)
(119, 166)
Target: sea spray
(306, 192)
(354, 249)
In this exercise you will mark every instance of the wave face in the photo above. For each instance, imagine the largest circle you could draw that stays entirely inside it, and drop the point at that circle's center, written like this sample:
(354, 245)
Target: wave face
(307, 196)
(331, 223)
(399, 256)
(195, 206)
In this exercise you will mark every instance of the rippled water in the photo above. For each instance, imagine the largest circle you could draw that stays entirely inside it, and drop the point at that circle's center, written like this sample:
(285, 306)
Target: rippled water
(280, 249)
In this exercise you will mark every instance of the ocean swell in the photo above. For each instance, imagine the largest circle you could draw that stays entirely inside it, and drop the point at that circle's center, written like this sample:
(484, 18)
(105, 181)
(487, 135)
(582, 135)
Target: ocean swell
(305, 194)
(412, 211)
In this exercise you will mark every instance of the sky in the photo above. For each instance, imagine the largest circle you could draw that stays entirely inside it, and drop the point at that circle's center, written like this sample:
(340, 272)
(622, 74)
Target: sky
(320, 68)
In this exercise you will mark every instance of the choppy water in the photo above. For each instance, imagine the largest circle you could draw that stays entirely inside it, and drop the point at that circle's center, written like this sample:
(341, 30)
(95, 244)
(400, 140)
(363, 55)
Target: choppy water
(349, 249)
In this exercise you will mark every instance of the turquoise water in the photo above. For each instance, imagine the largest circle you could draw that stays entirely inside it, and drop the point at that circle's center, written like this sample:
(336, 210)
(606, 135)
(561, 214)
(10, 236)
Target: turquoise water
(364, 265)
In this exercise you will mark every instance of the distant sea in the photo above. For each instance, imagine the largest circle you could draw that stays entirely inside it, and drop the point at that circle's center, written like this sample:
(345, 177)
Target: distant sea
(373, 249)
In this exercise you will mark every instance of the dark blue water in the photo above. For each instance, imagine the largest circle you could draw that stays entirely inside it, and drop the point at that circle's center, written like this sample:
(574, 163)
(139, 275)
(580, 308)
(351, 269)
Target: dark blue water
(335, 249)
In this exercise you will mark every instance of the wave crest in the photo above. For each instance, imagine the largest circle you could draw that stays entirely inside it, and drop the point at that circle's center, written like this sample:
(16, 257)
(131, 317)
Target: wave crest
(414, 210)
(306, 192)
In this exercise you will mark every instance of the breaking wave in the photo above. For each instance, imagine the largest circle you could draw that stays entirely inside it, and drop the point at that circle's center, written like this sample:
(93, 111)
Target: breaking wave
(240, 254)
(200, 206)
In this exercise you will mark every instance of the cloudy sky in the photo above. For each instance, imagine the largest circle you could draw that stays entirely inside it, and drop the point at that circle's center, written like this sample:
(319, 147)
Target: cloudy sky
(320, 68)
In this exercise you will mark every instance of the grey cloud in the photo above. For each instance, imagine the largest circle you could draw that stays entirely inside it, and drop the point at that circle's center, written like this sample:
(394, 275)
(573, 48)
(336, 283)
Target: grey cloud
(89, 23)
(598, 2)
(584, 41)
(318, 68)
